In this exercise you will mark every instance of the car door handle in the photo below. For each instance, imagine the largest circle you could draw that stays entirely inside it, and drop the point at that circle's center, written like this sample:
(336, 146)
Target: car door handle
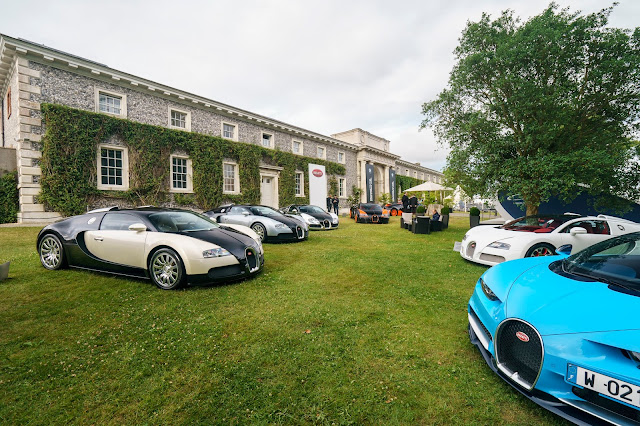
(98, 238)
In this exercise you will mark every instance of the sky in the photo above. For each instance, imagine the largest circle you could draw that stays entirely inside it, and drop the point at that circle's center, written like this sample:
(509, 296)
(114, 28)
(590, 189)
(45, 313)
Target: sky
(326, 66)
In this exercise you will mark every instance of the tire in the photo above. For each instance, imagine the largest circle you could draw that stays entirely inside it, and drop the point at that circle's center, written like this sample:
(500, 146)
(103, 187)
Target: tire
(51, 253)
(542, 249)
(166, 269)
(259, 229)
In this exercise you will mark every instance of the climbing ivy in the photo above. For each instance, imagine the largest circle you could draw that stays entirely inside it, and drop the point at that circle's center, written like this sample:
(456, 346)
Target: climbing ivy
(405, 182)
(9, 198)
(69, 163)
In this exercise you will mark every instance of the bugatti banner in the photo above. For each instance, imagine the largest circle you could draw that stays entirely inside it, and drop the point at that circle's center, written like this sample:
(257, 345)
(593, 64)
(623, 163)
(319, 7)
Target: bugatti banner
(392, 185)
(317, 185)
(371, 193)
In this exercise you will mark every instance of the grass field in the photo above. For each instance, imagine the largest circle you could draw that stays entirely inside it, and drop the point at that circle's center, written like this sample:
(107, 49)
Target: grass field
(365, 324)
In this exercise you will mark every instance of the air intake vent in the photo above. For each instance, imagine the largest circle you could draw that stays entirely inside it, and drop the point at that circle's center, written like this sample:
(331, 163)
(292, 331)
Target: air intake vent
(519, 352)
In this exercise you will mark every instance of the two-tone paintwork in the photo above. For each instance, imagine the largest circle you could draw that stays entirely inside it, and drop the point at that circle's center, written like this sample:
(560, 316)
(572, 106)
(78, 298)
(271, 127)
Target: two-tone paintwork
(127, 252)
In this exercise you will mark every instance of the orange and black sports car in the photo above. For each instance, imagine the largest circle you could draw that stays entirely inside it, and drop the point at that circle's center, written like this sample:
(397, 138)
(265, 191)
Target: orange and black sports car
(369, 213)
(395, 209)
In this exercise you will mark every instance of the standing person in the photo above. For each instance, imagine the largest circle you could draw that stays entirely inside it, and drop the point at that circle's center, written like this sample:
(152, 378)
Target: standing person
(329, 203)
(405, 203)
(336, 203)
(413, 204)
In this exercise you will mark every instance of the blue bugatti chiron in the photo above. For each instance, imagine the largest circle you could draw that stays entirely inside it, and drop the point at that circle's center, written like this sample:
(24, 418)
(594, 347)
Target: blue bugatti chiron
(565, 330)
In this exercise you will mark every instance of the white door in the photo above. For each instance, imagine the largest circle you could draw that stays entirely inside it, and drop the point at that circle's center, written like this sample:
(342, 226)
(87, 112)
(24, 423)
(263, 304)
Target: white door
(266, 191)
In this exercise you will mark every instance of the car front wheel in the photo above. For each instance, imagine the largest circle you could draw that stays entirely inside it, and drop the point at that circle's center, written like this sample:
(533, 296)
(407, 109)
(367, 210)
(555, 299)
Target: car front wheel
(166, 269)
(259, 229)
(541, 249)
(51, 252)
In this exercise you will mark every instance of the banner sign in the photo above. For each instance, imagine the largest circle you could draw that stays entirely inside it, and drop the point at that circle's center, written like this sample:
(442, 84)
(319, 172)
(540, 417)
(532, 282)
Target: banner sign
(371, 195)
(317, 185)
(392, 185)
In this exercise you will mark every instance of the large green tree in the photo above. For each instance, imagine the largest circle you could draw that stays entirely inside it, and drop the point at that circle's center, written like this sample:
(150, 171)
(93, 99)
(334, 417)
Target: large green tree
(546, 107)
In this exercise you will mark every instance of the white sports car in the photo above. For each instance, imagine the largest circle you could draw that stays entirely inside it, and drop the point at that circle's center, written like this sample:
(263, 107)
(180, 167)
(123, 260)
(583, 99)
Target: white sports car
(540, 235)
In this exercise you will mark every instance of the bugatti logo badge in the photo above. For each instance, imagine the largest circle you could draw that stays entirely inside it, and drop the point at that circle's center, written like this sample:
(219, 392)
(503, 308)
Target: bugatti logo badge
(523, 337)
(317, 173)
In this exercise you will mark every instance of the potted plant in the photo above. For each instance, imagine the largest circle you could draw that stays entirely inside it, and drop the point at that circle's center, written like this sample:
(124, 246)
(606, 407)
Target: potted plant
(474, 216)
(445, 217)
(420, 210)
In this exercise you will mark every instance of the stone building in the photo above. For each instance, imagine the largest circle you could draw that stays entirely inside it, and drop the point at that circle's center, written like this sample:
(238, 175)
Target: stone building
(32, 74)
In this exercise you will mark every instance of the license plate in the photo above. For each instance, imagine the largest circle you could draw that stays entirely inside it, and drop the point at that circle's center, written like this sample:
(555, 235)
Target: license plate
(457, 245)
(604, 385)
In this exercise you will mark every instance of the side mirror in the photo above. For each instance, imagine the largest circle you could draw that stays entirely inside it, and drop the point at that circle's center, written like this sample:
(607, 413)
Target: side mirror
(138, 227)
(578, 230)
(245, 213)
(564, 250)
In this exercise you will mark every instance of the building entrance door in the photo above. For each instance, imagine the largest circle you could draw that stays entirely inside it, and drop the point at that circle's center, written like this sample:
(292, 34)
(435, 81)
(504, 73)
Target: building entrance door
(268, 190)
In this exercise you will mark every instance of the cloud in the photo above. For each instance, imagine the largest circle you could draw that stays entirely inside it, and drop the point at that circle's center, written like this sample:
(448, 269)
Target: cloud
(325, 66)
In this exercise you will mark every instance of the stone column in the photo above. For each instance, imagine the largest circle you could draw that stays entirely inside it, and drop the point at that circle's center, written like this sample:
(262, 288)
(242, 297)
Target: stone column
(28, 151)
(386, 181)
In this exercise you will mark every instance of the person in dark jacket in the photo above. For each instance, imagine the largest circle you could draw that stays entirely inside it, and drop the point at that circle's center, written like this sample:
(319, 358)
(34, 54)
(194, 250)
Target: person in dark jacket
(413, 204)
(405, 203)
(336, 203)
(329, 203)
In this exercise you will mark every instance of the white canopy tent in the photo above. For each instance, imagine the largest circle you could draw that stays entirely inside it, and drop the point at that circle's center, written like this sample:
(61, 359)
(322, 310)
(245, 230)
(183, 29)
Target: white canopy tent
(427, 186)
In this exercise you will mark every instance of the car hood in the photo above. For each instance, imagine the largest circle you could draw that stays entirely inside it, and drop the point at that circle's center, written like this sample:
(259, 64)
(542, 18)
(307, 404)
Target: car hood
(320, 216)
(234, 241)
(486, 234)
(557, 304)
(289, 221)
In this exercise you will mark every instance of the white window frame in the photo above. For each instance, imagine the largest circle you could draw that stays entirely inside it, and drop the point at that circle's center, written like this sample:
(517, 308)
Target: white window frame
(235, 130)
(324, 152)
(271, 140)
(236, 177)
(187, 123)
(123, 102)
(125, 168)
(293, 143)
(342, 187)
(189, 188)
(301, 174)
(344, 157)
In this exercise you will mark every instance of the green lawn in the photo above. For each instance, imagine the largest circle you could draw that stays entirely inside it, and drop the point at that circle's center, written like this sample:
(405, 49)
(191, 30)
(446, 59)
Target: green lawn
(365, 324)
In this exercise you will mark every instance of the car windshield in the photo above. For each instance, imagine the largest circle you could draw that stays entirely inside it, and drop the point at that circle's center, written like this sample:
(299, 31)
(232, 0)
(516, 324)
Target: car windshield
(615, 261)
(311, 209)
(181, 221)
(537, 223)
(371, 208)
(264, 211)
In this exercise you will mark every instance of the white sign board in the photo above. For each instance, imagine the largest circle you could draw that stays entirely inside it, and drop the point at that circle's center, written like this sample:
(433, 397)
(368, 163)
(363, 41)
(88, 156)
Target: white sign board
(317, 185)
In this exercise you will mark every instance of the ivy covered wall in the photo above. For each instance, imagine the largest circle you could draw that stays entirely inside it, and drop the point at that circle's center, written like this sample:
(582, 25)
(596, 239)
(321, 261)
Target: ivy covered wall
(69, 169)
(405, 182)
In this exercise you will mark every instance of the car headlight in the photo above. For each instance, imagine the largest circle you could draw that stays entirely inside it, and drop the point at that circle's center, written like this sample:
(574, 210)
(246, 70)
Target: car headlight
(313, 220)
(335, 220)
(499, 245)
(487, 291)
(216, 252)
(280, 225)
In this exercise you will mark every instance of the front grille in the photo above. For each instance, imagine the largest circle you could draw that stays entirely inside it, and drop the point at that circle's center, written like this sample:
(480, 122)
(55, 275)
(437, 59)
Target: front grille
(515, 354)
(471, 248)
(606, 403)
(492, 258)
(485, 329)
(252, 259)
(375, 218)
(300, 232)
(327, 224)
